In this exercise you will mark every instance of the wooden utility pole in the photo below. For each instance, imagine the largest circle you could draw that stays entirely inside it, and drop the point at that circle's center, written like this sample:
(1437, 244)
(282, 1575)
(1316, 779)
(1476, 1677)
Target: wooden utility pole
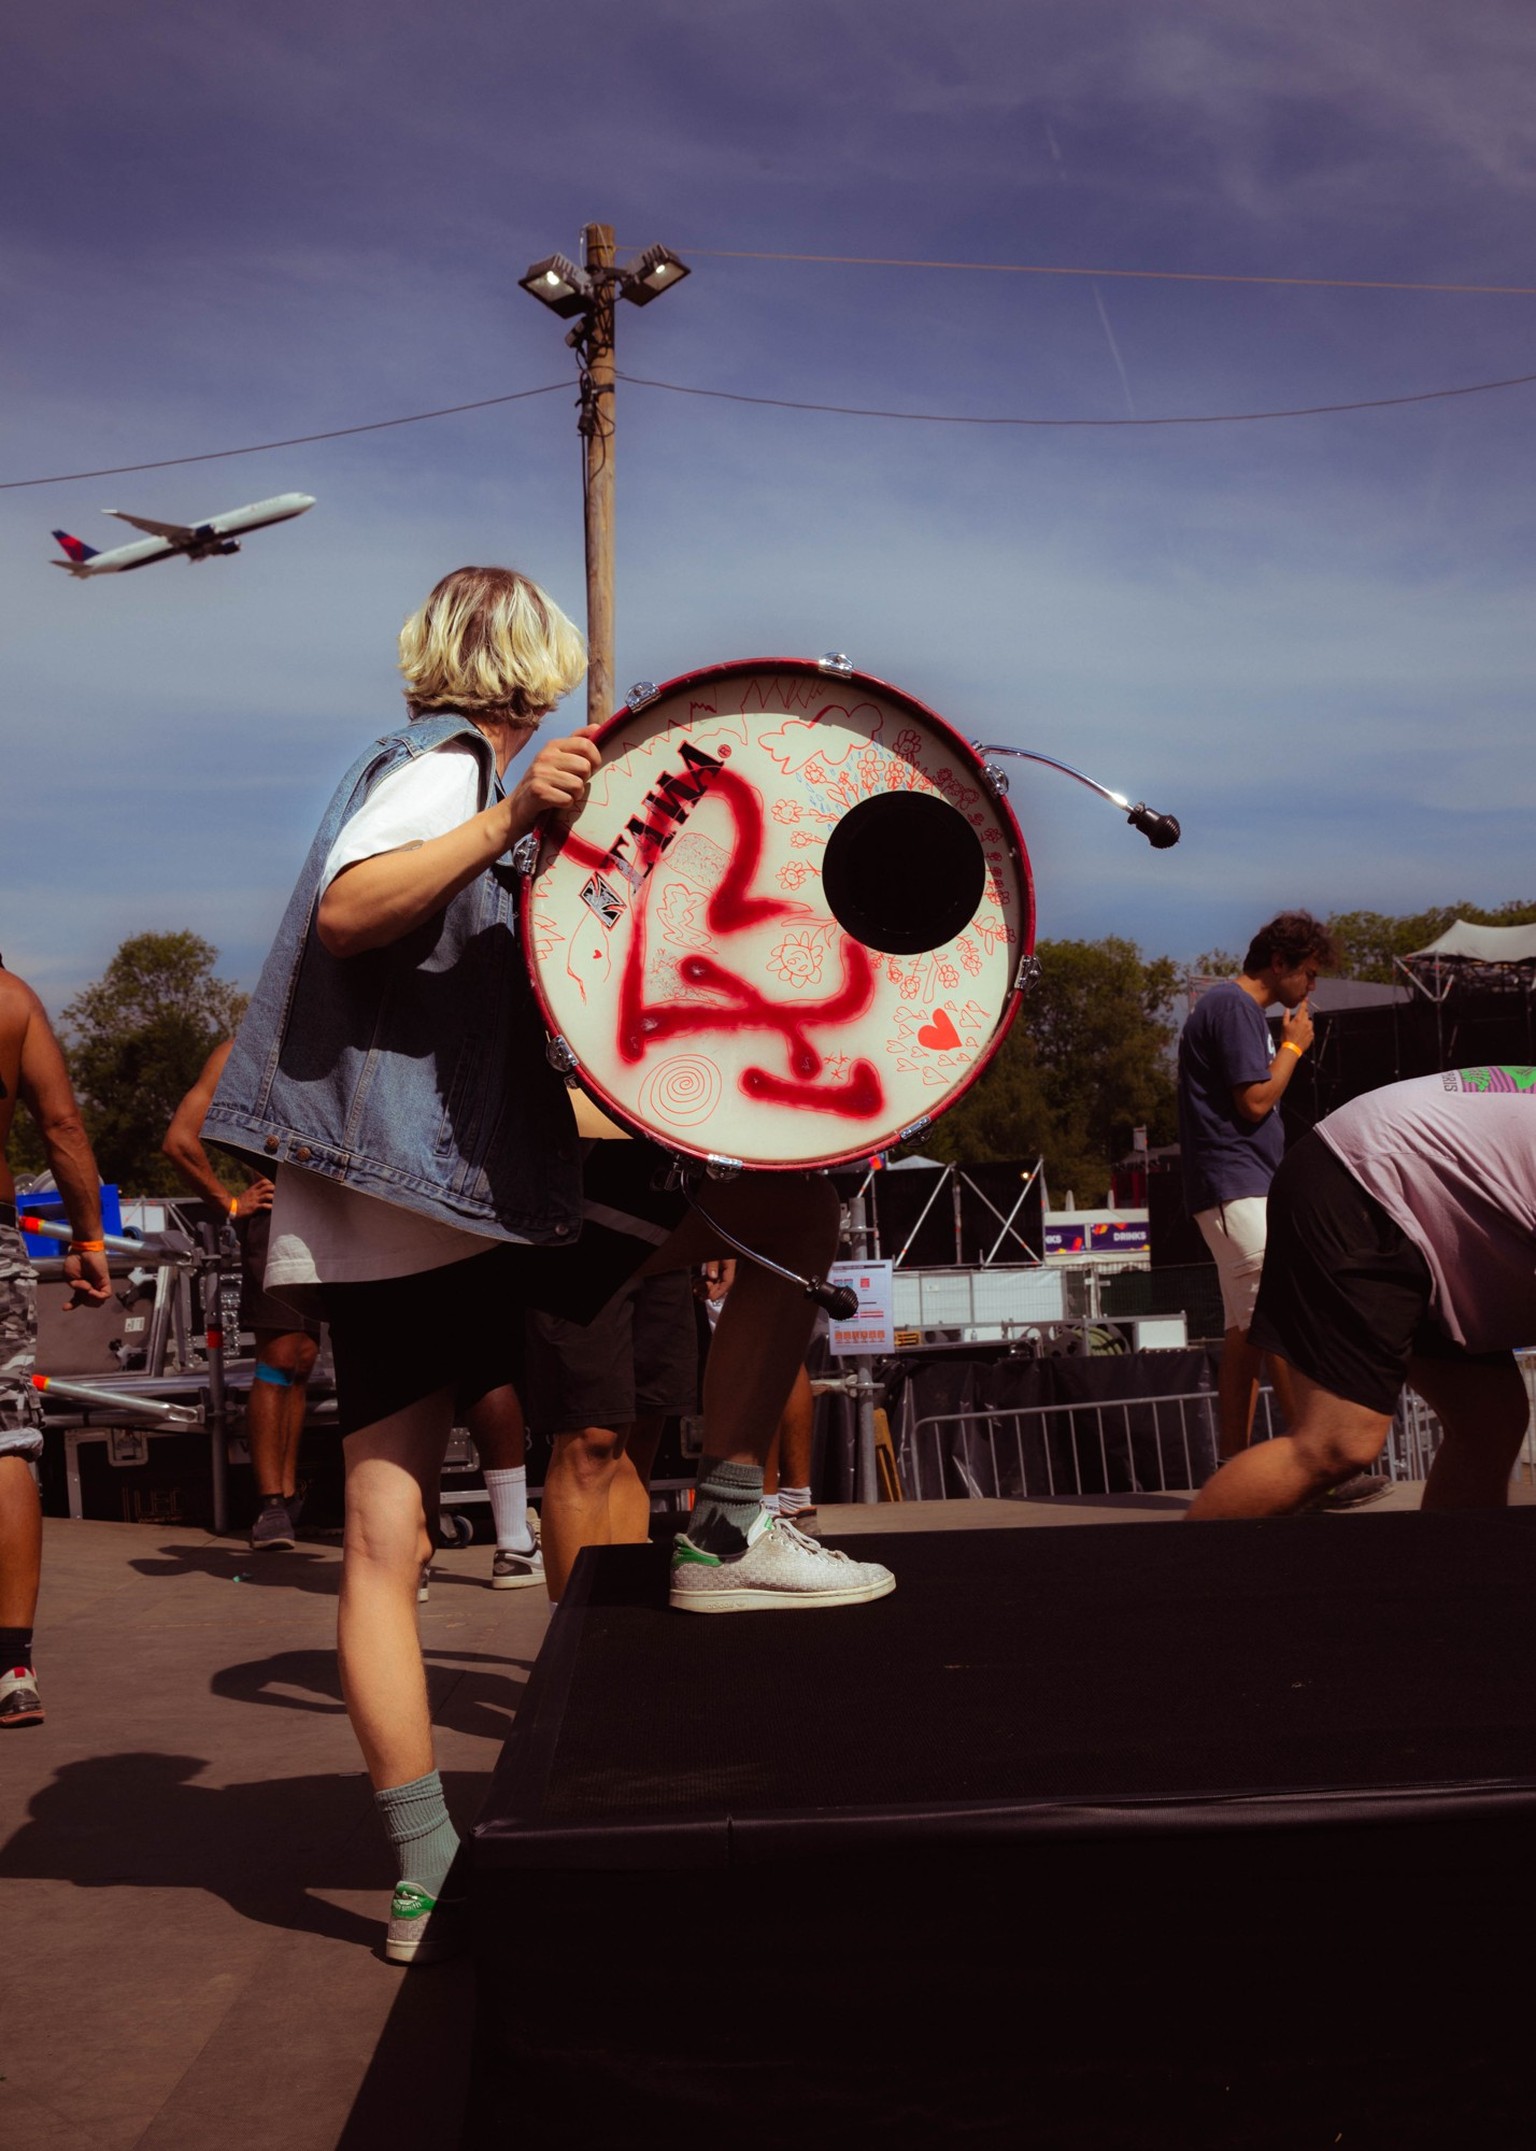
(587, 296)
(597, 426)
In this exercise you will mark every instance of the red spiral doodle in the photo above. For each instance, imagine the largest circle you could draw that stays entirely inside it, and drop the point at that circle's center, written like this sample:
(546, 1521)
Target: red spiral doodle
(683, 1090)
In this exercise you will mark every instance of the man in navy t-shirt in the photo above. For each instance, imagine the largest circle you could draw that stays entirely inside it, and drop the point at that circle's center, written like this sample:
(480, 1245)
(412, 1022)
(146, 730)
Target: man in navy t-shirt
(1231, 1080)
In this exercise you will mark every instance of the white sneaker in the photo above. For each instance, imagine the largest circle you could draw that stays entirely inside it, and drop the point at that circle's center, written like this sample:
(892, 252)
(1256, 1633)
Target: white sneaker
(779, 1571)
(512, 1571)
(20, 1703)
(424, 1929)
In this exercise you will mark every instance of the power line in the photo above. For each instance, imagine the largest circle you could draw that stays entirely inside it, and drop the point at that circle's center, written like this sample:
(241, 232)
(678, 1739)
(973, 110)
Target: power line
(1218, 418)
(297, 440)
(1149, 276)
(785, 403)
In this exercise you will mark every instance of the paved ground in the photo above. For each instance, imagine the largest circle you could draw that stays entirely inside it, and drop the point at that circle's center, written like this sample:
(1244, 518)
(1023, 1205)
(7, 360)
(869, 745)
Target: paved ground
(194, 1877)
(194, 1880)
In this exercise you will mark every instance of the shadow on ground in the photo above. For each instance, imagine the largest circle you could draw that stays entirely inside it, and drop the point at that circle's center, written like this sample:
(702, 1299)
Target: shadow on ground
(477, 1701)
(140, 1821)
(302, 1569)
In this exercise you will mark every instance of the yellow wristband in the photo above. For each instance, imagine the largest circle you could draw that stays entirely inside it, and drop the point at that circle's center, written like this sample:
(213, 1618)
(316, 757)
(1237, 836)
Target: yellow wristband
(87, 1247)
(1287, 1047)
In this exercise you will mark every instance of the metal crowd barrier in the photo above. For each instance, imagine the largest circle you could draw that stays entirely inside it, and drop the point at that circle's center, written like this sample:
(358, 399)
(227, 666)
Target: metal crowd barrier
(1038, 1451)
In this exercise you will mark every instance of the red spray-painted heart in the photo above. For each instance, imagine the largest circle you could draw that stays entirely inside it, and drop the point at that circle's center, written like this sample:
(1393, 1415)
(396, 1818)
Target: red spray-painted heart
(940, 1034)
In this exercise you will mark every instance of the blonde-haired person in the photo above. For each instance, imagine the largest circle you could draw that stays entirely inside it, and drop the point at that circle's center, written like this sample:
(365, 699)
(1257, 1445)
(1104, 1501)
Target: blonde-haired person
(490, 643)
(394, 1064)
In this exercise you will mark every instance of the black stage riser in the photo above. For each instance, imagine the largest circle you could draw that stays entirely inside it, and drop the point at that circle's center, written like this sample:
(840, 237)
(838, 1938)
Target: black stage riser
(1086, 1993)
(1152, 1917)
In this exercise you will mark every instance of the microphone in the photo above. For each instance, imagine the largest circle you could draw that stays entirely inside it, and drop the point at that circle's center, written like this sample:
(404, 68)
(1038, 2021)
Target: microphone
(1160, 830)
(840, 1301)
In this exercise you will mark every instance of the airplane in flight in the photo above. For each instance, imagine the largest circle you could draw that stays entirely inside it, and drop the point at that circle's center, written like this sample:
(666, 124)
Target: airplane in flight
(193, 541)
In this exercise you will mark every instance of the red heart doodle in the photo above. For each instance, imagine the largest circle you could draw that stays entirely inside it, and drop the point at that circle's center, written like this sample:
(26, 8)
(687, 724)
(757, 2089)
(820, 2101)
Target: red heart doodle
(940, 1033)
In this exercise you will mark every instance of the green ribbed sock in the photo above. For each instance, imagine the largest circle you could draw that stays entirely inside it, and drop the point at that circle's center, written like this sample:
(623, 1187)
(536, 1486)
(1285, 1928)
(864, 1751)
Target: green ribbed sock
(725, 1505)
(425, 1841)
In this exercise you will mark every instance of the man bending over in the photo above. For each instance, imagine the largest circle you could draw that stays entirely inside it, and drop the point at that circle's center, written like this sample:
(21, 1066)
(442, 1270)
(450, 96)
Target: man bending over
(1402, 1248)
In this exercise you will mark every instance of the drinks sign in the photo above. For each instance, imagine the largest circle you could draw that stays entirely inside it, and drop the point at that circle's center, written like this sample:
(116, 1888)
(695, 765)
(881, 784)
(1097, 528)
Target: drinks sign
(872, 1330)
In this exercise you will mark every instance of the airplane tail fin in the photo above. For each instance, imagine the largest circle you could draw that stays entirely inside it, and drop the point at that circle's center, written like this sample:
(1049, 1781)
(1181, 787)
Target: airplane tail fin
(77, 549)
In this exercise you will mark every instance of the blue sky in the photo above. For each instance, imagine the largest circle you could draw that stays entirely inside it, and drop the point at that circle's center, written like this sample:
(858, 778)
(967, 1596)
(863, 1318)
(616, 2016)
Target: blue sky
(1310, 639)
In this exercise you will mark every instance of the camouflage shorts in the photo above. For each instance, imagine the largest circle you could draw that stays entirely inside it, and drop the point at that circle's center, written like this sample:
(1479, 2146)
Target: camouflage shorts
(21, 1411)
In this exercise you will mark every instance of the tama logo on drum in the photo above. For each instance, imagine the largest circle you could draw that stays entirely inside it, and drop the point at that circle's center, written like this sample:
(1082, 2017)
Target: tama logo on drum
(638, 847)
(606, 902)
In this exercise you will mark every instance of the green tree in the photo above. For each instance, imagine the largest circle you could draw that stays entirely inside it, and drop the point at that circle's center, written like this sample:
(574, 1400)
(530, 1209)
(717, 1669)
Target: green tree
(1216, 963)
(1086, 1062)
(1371, 939)
(24, 1151)
(136, 1040)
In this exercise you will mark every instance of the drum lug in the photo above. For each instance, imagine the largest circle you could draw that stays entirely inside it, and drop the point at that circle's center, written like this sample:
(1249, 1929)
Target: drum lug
(906, 1134)
(525, 854)
(835, 665)
(1029, 974)
(717, 1168)
(994, 773)
(642, 693)
(560, 1056)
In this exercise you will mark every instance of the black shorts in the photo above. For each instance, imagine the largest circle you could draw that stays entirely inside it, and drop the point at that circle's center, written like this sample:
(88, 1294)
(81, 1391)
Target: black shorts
(1345, 1294)
(637, 1359)
(396, 1340)
(627, 1213)
(258, 1308)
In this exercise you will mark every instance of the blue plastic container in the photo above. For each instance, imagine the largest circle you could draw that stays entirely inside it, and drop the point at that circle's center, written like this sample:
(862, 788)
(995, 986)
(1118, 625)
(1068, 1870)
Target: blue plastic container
(52, 1206)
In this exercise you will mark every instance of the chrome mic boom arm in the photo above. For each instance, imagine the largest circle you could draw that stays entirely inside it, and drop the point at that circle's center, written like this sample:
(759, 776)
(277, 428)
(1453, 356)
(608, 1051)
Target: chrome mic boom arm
(1160, 830)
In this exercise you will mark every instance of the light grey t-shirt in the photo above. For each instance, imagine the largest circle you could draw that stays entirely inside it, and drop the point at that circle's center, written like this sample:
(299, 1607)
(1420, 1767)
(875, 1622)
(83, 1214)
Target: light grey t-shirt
(1452, 1161)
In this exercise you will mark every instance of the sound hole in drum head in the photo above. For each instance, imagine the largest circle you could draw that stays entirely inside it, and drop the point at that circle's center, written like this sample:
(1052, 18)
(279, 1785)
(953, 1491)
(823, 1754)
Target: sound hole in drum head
(903, 873)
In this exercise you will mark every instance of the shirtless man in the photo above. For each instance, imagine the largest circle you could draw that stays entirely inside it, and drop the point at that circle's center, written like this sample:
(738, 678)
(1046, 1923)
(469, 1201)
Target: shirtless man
(32, 1069)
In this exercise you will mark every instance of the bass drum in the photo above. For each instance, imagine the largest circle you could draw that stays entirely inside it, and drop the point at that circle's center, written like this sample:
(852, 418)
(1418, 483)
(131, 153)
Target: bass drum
(788, 928)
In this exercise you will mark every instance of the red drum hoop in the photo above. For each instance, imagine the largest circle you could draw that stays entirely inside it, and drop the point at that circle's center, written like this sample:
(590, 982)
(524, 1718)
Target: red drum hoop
(788, 928)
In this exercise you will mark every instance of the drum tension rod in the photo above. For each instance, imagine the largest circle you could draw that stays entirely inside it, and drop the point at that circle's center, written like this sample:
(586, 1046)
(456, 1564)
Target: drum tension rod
(840, 1301)
(1160, 830)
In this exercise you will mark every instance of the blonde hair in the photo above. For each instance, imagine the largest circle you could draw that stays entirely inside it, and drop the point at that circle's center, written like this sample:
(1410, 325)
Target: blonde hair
(489, 642)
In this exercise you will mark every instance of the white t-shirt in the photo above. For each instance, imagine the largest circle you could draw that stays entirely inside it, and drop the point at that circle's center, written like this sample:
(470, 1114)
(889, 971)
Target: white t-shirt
(1452, 1161)
(323, 1232)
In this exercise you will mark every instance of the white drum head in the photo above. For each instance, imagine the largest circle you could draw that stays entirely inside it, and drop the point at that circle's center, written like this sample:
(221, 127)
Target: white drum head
(788, 925)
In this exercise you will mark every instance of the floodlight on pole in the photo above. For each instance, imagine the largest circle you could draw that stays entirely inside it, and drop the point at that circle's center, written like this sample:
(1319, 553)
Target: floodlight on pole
(588, 294)
(656, 271)
(559, 285)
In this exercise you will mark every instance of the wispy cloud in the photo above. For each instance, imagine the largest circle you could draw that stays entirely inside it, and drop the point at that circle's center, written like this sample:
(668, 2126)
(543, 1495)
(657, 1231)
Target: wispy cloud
(231, 225)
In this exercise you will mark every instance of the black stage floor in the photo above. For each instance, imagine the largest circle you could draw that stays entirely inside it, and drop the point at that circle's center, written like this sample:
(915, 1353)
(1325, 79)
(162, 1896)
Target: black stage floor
(1104, 1836)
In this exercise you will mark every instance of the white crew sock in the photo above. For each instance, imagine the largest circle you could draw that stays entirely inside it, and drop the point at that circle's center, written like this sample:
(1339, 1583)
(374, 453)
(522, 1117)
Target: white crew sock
(792, 1498)
(509, 1507)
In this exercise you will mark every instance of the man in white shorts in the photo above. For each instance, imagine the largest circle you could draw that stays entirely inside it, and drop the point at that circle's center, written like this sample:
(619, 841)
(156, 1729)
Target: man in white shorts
(1231, 1080)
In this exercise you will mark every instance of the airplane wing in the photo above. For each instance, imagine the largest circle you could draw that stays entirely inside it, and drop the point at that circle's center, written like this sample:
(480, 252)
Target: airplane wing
(156, 530)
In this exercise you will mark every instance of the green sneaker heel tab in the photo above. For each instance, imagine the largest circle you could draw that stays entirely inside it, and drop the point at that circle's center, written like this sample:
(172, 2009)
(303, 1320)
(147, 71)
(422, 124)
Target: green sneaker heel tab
(685, 1550)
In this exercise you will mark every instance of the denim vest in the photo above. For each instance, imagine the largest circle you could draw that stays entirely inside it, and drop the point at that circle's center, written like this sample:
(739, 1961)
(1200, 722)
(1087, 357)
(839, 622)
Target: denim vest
(416, 1072)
